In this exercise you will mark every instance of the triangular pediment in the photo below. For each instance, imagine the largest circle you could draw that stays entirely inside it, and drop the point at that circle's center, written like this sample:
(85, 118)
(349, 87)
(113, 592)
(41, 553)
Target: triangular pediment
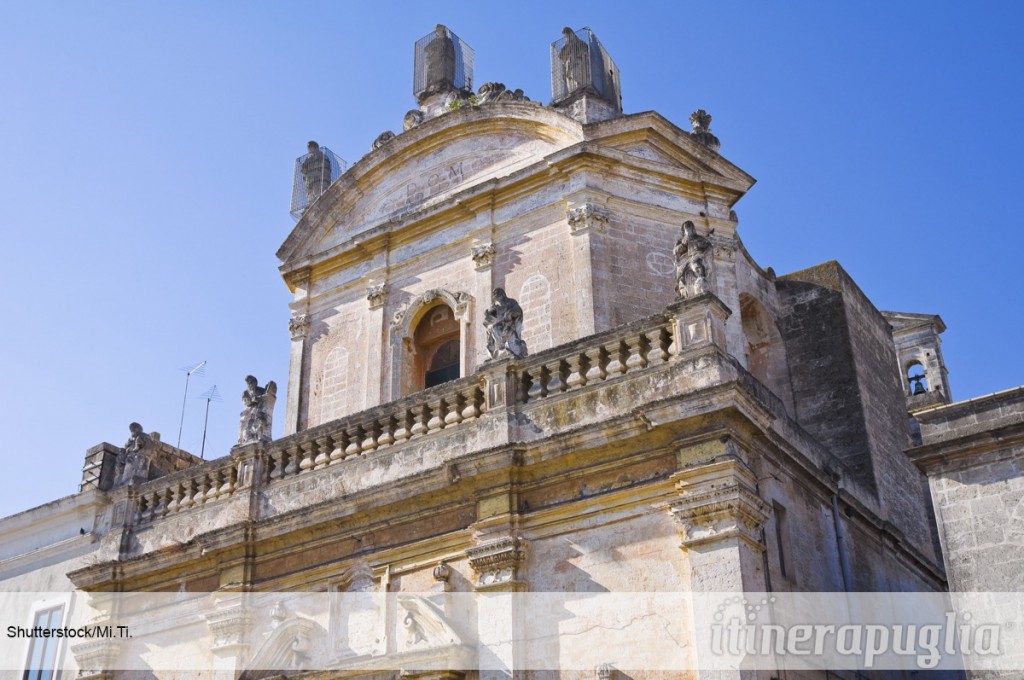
(906, 320)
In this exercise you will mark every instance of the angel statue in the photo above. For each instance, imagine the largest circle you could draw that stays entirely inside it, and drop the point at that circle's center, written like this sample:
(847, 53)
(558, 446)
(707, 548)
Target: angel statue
(258, 414)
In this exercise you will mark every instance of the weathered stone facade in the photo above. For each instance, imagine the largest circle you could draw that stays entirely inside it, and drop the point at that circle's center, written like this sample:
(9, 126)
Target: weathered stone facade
(749, 437)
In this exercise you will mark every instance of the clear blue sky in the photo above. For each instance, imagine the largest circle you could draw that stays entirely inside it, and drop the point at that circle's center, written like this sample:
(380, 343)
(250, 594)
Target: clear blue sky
(146, 152)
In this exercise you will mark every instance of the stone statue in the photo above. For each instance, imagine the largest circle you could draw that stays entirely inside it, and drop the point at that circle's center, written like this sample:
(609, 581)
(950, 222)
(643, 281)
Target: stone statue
(316, 172)
(257, 416)
(131, 460)
(440, 61)
(693, 256)
(412, 118)
(504, 323)
(575, 57)
(382, 139)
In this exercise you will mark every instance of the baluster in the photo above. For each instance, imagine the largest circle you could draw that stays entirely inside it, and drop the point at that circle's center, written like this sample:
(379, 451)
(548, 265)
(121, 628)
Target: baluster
(308, 455)
(597, 358)
(154, 504)
(387, 427)
(216, 481)
(403, 425)
(341, 442)
(472, 408)
(455, 406)
(187, 494)
(371, 432)
(172, 504)
(578, 366)
(421, 416)
(526, 382)
(438, 410)
(292, 467)
(616, 359)
(277, 457)
(201, 486)
(355, 436)
(230, 479)
(539, 388)
(323, 453)
(637, 347)
(660, 340)
(140, 509)
(557, 373)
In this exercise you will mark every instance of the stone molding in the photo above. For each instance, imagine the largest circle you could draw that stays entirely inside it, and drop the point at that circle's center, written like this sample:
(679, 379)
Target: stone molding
(230, 628)
(458, 301)
(93, 657)
(496, 562)
(298, 326)
(717, 502)
(587, 217)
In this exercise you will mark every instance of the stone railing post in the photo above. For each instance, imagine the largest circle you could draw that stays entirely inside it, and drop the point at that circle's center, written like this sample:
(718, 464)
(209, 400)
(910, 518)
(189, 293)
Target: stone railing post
(502, 380)
(698, 322)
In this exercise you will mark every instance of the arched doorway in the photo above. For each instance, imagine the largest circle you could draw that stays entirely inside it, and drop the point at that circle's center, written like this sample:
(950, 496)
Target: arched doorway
(436, 351)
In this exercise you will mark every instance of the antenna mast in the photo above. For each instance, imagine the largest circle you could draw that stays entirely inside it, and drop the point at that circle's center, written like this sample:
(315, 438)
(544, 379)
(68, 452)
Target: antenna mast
(197, 369)
(210, 395)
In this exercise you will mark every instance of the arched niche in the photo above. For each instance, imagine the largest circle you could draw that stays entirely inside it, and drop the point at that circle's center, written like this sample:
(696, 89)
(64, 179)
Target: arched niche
(764, 351)
(427, 333)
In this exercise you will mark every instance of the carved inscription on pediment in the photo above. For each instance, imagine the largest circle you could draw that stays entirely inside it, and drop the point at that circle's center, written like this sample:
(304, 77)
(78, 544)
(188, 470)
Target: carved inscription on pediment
(437, 180)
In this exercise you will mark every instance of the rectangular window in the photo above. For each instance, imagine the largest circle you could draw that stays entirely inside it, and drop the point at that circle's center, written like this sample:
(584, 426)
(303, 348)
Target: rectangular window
(42, 651)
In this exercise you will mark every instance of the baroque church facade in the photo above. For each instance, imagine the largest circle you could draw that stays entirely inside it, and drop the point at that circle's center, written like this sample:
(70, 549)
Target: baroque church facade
(681, 420)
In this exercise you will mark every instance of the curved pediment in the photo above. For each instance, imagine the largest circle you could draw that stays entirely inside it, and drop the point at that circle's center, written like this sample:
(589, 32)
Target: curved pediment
(425, 166)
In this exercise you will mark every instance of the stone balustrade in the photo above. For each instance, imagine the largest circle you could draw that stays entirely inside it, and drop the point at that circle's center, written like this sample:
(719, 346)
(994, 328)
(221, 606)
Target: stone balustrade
(631, 349)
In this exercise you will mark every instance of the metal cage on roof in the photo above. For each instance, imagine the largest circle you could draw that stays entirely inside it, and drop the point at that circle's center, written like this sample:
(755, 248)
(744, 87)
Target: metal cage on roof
(441, 62)
(579, 62)
(314, 172)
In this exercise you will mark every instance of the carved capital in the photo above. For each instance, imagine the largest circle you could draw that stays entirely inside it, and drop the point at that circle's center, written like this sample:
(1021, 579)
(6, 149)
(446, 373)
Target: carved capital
(718, 501)
(230, 628)
(94, 657)
(483, 255)
(496, 562)
(298, 326)
(587, 217)
(375, 294)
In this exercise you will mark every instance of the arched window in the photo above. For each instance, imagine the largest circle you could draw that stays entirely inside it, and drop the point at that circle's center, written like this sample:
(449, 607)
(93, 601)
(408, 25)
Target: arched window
(436, 347)
(915, 378)
(763, 349)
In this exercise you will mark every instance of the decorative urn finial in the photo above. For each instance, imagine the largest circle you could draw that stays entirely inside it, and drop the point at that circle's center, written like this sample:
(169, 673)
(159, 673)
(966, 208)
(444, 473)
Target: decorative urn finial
(701, 122)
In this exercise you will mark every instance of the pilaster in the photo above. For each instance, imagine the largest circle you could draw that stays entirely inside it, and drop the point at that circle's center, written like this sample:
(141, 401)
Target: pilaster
(586, 222)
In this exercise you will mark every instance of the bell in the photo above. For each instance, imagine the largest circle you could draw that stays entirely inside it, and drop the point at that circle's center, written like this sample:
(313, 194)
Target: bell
(918, 386)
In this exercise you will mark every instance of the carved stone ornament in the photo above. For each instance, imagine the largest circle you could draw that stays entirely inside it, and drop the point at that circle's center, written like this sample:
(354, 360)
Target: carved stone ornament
(718, 502)
(587, 217)
(442, 572)
(412, 118)
(375, 294)
(693, 258)
(256, 420)
(458, 301)
(503, 321)
(701, 122)
(483, 255)
(497, 92)
(230, 628)
(298, 326)
(382, 139)
(496, 562)
(93, 657)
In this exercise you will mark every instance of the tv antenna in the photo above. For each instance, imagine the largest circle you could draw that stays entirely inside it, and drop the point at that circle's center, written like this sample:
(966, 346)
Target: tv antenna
(210, 395)
(189, 372)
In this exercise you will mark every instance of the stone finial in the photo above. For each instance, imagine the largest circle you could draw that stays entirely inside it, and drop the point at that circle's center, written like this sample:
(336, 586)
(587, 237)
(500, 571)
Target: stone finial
(442, 572)
(298, 326)
(693, 260)
(256, 421)
(483, 255)
(382, 139)
(701, 122)
(503, 321)
(605, 671)
(587, 217)
(375, 294)
(497, 92)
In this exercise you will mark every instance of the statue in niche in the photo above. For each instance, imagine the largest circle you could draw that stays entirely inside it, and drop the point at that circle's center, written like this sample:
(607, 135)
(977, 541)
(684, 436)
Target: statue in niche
(131, 460)
(316, 172)
(258, 412)
(440, 60)
(693, 259)
(575, 57)
(504, 323)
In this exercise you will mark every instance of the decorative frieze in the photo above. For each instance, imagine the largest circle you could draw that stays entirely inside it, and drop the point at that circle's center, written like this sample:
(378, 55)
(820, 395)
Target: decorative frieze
(587, 217)
(298, 326)
(496, 562)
